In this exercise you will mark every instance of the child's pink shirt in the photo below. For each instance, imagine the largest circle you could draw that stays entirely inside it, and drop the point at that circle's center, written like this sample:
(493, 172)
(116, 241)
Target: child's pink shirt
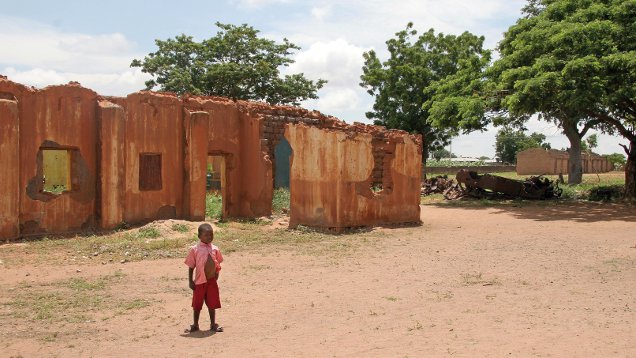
(198, 256)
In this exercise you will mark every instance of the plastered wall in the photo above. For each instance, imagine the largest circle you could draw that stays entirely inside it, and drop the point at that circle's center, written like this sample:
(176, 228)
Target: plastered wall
(57, 117)
(332, 178)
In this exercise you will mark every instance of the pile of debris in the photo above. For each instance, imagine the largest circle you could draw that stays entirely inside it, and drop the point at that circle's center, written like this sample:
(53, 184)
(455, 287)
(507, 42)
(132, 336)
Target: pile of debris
(487, 185)
(441, 185)
(491, 186)
(436, 185)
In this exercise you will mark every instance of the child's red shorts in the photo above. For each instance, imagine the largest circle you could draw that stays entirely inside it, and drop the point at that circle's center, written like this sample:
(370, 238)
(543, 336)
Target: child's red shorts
(208, 292)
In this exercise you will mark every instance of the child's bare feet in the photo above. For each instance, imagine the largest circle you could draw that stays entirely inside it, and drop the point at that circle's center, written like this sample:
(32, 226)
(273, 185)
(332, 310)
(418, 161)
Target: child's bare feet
(216, 328)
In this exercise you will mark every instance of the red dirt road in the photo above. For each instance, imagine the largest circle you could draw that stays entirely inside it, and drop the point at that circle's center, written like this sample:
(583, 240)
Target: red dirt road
(471, 282)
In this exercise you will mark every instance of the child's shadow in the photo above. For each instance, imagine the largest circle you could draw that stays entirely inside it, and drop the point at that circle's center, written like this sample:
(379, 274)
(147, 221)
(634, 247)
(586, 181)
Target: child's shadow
(198, 334)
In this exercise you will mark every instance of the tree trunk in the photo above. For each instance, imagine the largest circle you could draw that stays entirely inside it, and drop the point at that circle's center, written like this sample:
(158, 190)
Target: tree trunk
(630, 172)
(424, 158)
(575, 167)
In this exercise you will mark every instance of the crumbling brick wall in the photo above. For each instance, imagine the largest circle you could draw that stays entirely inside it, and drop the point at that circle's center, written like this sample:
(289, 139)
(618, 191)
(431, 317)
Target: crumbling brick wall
(275, 119)
(333, 174)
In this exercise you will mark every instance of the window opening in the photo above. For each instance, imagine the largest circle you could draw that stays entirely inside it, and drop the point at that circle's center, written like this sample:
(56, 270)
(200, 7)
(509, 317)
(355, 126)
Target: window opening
(56, 171)
(149, 171)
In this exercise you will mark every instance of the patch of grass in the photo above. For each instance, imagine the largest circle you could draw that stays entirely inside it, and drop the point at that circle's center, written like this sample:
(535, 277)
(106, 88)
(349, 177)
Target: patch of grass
(442, 296)
(80, 284)
(50, 337)
(165, 245)
(58, 305)
(253, 221)
(75, 300)
(281, 200)
(148, 232)
(391, 298)
(431, 199)
(240, 235)
(213, 206)
(135, 304)
(247, 236)
(182, 228)
(470, 279)
(617, 264)
(258, 267)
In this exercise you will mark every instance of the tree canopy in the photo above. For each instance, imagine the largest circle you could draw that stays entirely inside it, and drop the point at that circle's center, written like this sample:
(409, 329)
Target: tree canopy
(442, 153)
(510, 141)
(236, 63)
(428, 85)
(616, 159)
(590, 142)
(574, 60)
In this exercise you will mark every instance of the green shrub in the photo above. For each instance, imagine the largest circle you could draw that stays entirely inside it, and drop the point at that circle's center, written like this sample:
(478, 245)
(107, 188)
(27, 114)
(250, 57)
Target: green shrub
(213, 206)
(148, 232)
(280, 202)
(606, 193)
(180, 228)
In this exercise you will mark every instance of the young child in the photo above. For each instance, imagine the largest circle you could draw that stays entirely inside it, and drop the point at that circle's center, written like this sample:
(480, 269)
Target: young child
(204, 260)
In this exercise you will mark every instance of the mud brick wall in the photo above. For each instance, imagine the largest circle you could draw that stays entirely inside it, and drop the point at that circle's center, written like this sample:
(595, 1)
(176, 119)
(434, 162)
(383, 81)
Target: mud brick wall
(59, 118)
(275, 120)
(333, 171)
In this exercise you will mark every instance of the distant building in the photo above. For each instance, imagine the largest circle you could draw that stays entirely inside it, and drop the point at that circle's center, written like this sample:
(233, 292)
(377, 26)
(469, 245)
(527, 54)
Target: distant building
(539, 161)
(464, 159)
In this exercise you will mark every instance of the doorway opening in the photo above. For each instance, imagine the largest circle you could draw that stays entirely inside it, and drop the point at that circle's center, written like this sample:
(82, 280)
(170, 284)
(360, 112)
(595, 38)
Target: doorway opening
(282, 168)
(215, 186)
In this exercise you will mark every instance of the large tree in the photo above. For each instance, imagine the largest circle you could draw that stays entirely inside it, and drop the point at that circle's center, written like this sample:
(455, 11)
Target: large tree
(428, 85)
(236, 63)
(509, 141)
(575, 62)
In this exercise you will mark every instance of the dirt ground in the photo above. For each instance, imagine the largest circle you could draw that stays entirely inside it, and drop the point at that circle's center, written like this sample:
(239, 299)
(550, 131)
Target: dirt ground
(556, 280)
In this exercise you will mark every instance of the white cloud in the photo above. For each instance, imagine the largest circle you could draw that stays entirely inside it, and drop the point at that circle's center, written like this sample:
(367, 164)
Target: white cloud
(254, 4)
(371, 22)
(319, 13)
(335, 100)
(31, 44)
(333, 43)
(107, 84)
(39, 55)
(338, 62)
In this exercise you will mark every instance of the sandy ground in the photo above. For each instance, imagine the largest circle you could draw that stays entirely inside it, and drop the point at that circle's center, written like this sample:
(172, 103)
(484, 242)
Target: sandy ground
(472, 282)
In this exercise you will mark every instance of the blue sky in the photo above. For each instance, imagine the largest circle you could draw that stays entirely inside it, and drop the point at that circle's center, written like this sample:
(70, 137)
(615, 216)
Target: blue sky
(49, 42)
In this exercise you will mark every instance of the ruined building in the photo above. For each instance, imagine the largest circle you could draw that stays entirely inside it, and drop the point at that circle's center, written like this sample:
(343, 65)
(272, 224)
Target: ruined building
(73, 160)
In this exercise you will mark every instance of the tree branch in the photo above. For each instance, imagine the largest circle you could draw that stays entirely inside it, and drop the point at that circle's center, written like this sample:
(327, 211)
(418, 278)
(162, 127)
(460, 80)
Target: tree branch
(589, 126)
(625, 148)
(605, 118)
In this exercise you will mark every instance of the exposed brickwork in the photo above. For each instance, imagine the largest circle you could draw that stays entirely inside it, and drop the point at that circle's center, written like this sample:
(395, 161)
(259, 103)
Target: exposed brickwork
(276, 118)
